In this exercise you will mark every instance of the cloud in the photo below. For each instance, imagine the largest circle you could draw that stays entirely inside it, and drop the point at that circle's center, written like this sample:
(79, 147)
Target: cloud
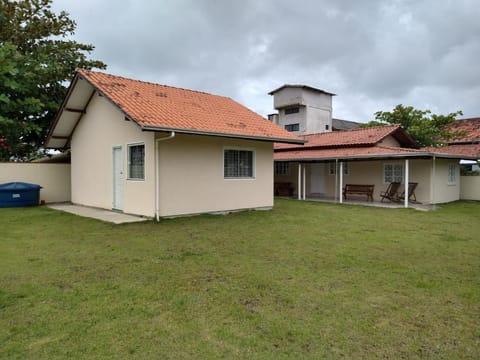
(373, 54)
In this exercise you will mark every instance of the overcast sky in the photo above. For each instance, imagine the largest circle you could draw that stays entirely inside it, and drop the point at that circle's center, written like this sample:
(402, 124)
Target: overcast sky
(373, 54)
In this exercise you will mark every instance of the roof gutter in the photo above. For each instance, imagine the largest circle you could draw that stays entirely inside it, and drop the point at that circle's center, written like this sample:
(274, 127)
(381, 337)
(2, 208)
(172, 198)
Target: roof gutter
(389, 156)
(233, 136)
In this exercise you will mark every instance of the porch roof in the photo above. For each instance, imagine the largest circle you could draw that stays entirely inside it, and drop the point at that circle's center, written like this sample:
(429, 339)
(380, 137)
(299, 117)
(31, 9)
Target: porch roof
(365, 153)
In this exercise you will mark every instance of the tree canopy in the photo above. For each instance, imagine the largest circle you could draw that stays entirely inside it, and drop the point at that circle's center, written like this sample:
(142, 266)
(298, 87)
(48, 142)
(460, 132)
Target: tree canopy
(426, 128)
(37, 59)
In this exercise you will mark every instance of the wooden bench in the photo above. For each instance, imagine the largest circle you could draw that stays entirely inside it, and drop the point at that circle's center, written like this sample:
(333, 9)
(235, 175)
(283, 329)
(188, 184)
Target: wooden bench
(283, 189)
(358, 189)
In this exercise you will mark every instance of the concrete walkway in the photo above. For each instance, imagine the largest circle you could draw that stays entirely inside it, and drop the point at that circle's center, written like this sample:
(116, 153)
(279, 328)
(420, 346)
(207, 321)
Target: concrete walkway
(386, 204)
(99, 214)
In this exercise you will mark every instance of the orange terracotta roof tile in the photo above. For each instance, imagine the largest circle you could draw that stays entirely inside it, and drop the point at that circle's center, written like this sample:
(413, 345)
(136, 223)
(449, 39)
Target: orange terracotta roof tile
(346, 153)
(467, 150)
(356, 137)
(159, 107)
(471, 151)
(470, 126)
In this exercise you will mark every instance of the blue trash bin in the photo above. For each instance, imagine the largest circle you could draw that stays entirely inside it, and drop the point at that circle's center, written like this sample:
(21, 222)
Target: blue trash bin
(19, 194)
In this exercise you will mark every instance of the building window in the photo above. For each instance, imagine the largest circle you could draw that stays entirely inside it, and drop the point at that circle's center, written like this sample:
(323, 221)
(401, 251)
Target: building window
(136, 162)
(292, 110)
(292, 127)
(392, 173)
(326, 127)
(238, 164)
(332, 170)
(282, 168)
(452, 174)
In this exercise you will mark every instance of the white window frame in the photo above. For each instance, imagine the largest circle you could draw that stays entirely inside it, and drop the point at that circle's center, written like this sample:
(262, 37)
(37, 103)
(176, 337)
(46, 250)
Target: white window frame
(253, 164)
(282, 168)
(129, 170)
(394, 177)
(452, 174)
(332, 168)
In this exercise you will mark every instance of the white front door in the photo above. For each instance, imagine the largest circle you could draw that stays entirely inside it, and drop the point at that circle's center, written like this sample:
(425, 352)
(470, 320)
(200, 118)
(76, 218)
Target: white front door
(117, 178)
(317, 179)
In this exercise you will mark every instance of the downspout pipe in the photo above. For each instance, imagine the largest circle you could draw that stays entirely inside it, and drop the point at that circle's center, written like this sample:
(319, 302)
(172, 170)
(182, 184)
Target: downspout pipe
(157, 174)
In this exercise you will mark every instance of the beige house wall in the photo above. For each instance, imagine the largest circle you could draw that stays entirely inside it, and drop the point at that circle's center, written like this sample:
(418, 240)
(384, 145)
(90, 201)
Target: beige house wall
(102, 128)
(372, 172)
(191, 176)
(54, 178)
(444, 192)
(470, 187)
(390, 141)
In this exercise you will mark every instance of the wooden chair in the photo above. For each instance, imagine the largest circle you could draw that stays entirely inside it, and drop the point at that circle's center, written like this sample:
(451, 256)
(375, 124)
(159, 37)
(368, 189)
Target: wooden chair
(391, 193)
(411, 192)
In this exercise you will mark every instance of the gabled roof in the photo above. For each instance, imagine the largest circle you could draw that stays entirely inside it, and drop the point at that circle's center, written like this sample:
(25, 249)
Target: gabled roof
(155, 107)
(366, 143)
(471, 127)
(351, 138)
(298, 86)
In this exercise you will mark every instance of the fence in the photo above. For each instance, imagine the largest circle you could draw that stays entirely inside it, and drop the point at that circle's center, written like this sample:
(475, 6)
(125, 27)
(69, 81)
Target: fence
(54, 178)
(470, 187)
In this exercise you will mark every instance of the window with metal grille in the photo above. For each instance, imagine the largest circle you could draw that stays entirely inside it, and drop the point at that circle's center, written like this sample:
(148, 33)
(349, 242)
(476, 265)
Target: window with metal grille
(136, 162)
(282, 168)
(292, 127)
(332, 170)
(452, 174)
(238, 164)
(392, 173)
(292, 110)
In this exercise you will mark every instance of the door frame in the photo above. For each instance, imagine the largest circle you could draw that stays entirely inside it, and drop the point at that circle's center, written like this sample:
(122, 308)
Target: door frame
(318, 179)
(117, 199)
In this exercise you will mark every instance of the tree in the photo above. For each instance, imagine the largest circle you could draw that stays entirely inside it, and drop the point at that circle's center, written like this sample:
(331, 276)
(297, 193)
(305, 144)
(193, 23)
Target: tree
(36, 61)
(426, 128)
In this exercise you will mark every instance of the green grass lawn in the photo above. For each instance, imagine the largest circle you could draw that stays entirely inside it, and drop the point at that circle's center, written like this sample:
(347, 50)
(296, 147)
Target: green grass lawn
(306, 280)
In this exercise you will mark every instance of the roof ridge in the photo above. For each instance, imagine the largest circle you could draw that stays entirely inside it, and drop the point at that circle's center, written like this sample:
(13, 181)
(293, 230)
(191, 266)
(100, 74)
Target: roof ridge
(356, 129)
(399, 148)
(80, 70)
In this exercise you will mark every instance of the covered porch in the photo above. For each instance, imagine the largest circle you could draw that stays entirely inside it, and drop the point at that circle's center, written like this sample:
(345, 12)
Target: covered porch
(436, 180)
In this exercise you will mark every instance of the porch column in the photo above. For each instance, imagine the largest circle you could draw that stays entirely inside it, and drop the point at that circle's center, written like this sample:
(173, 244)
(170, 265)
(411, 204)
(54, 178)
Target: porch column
(304, 182)
(336, 180)
(432, 182)
(299, 185)
(340, 192)
(406, 183)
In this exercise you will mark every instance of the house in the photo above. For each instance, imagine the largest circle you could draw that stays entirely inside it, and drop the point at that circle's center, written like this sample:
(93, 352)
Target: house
(374, 156)
(302, 109)
(467, 144)
(156, 150)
